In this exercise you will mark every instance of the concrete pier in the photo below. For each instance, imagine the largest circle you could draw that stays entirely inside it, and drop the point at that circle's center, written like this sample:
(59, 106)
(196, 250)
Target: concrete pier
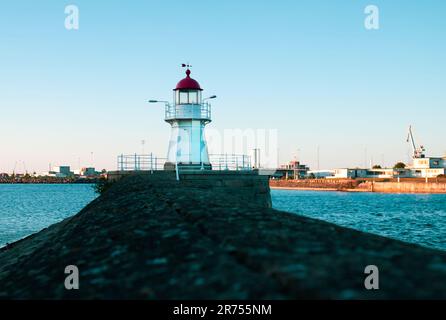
(204, 237)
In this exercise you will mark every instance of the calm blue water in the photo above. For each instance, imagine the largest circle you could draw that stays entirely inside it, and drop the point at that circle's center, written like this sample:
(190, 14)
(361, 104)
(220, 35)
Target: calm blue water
(28, 208)
(25, 209)
(413, 218)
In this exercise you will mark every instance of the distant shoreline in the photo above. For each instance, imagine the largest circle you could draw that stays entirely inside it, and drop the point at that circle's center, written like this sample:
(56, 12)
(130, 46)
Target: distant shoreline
(89, 181)
(348, 190)
(318, 189)
(370, 187)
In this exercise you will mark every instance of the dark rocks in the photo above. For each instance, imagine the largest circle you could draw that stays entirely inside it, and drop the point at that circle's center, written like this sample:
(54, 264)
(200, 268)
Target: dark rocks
(151, 237)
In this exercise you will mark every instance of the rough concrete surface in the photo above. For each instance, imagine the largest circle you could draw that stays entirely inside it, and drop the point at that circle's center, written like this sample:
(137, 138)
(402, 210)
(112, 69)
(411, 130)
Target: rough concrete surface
(151, 237)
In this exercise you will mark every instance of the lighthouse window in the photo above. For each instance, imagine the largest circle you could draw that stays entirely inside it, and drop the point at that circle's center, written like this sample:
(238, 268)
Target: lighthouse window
(184, 97)
(193, 97)
(188, 97)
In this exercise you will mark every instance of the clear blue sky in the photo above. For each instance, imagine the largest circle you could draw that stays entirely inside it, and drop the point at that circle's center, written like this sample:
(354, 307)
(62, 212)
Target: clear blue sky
(307, 68)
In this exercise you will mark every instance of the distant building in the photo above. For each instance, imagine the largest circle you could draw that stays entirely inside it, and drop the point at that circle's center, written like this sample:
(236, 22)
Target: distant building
(63, 171)
(59, 172)
(422, 168)
(292, 170)
(428, 167)
(386, 173)
(320, 174)
(88, 172)
(346, 173)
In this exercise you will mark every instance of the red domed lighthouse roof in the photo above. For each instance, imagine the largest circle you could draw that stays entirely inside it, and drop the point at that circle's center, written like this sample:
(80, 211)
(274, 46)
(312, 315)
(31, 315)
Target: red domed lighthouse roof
(188, 83)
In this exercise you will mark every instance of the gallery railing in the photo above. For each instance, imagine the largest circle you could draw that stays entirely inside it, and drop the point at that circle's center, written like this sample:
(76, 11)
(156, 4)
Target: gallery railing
(200, 111)
(150, 162)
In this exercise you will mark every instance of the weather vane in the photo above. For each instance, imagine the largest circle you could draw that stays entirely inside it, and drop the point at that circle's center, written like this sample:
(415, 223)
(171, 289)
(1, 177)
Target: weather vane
(186, 65)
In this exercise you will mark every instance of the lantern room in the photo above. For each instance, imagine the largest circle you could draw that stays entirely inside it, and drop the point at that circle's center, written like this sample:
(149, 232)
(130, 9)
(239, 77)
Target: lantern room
(187, 91)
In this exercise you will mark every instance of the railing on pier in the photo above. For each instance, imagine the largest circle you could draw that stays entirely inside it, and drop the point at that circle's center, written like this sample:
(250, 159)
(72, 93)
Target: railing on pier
(233, 162)
(150, 162)
(138, 162)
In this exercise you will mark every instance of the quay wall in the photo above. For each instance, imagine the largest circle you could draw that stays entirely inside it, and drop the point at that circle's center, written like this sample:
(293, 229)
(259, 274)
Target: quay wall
(403, 187)
(308, 184)
(248, 186)
(364, 185)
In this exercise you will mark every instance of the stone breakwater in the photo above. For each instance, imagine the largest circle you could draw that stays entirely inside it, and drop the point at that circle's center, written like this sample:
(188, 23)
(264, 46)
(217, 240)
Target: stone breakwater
(210, 237)
(409, 185)
(317, 184)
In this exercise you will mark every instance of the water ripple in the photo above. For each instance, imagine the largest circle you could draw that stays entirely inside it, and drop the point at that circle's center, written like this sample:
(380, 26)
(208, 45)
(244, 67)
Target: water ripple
(28, 208)
(416, 218)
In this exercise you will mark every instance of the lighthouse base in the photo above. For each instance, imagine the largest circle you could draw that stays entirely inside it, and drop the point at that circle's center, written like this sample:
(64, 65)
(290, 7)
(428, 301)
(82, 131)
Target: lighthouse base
(170, 166)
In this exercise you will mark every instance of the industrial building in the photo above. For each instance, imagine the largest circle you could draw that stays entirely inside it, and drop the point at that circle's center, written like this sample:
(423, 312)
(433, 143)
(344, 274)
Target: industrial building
(421, 167)
(59, 172)
(428, 167)
(65, 172)
(86, 172)
(349, 173)
(320, 174)
(292, 170)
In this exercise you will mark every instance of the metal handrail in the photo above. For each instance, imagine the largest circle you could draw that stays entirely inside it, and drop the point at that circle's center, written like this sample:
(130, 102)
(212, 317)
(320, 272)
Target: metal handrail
(136, 162)
(225, 162)
(150, 162)
(201, 111)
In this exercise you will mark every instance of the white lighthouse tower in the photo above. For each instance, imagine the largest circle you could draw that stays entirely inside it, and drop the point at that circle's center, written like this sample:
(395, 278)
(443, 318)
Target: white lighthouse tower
(188, 115)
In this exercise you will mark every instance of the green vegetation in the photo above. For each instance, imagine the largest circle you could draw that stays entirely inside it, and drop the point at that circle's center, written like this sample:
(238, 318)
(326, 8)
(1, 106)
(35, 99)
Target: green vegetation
(102, 185)
(399, 165)
(376, 166)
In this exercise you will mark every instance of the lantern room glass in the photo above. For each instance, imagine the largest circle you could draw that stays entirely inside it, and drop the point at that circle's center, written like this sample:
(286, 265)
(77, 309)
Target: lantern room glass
(187, 97)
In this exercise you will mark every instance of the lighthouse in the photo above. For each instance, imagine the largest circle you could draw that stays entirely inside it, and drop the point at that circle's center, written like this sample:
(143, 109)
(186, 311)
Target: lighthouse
(188, 115)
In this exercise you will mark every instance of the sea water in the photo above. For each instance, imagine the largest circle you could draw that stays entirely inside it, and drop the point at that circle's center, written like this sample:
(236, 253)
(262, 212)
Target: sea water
(28, 208)
(415, 218)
